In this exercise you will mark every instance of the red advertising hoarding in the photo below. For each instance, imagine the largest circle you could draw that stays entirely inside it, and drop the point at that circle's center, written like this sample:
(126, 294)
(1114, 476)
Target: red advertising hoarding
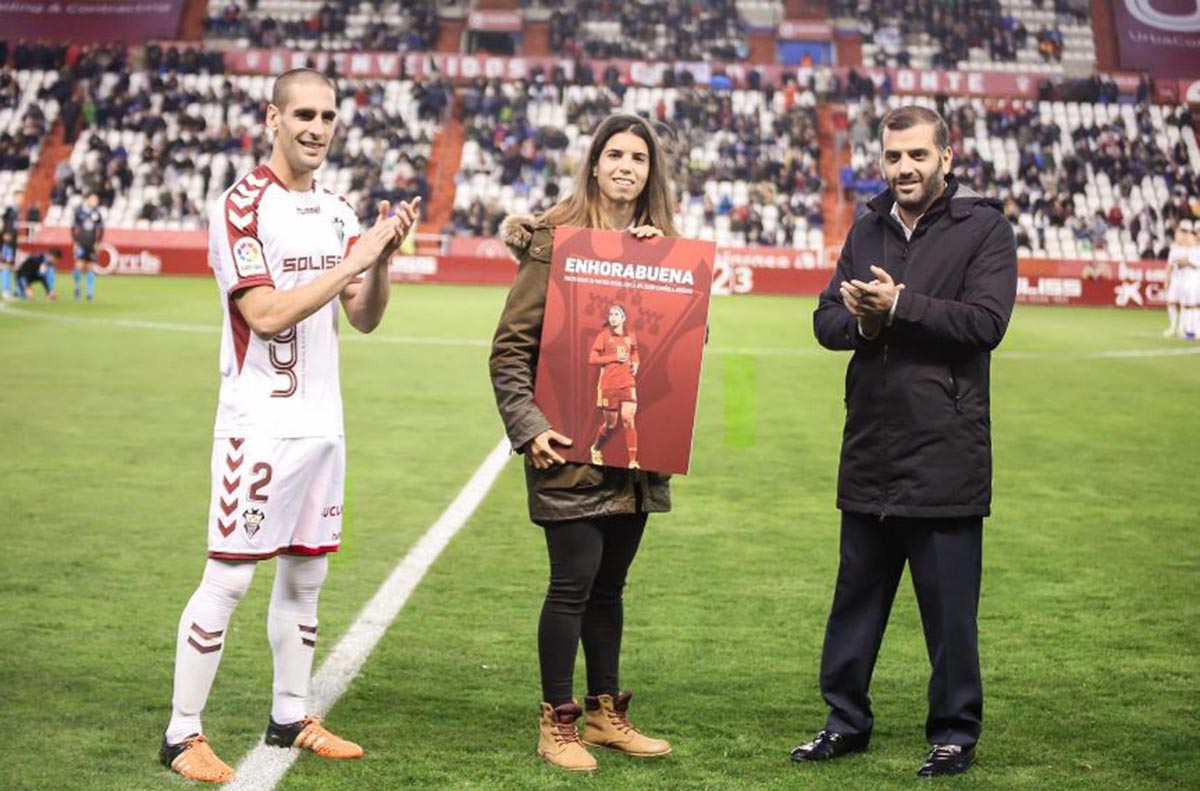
(462, 68)
(1159, 36)
(623, 335)
(736, 270)
(86, 21)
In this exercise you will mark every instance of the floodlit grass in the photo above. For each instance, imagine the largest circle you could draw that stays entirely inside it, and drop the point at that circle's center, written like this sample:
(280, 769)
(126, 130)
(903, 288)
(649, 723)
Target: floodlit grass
(1089, 613)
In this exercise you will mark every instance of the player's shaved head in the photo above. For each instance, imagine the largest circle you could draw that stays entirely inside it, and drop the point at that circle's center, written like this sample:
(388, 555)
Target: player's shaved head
(284, 83)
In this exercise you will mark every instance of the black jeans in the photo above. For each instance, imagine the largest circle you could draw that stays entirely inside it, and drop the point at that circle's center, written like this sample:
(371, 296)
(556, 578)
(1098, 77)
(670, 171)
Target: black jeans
(589, 559)
(944, 558)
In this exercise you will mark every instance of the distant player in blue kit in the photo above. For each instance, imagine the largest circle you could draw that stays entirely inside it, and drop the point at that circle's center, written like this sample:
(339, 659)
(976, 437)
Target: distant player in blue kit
(38, 268)
(87, 231)
(8, 247)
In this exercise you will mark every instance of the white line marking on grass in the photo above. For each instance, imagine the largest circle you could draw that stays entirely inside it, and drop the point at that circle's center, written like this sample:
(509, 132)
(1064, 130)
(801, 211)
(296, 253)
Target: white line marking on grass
(213, 329)
(412, 340)
(264, 767)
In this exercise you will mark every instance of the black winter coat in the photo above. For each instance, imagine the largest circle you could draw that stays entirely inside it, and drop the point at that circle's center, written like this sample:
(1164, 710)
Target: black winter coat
(917, 440)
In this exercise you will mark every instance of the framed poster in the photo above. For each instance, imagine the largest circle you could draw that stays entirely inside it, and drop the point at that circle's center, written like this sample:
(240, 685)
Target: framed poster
(622, 343)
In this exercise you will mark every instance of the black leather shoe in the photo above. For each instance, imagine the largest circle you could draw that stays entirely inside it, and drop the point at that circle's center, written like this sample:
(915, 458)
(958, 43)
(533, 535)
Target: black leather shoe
(947, 759)
(826, 746)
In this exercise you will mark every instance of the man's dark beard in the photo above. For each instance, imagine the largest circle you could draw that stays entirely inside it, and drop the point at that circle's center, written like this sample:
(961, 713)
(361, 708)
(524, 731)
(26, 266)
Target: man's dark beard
(931, 190)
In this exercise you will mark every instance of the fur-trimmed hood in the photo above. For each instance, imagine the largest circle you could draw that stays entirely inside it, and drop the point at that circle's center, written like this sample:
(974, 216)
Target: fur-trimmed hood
(517, 232)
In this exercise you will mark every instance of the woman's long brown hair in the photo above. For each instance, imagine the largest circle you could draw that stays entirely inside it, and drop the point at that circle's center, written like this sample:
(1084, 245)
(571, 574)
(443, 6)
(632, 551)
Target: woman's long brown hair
(654, 206)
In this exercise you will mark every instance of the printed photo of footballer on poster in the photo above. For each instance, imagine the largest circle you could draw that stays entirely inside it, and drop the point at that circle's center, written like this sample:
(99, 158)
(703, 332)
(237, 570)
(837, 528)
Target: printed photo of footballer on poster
(622, 342)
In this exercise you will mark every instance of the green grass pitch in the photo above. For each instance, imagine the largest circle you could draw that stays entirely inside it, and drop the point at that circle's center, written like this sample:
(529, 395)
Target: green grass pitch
(1090, 616)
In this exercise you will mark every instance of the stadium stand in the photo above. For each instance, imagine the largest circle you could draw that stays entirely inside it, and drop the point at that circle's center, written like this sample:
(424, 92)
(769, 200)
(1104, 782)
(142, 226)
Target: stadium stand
(163, 146)
(999, 35)
(692, 30)
(1086, 172)
(1078, 180)
(391, 25)
(747, 162)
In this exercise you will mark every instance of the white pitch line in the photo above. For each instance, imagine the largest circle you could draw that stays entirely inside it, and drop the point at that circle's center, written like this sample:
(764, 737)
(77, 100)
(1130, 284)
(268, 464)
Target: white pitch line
(264, 767)
(213, 329)
(751, 351)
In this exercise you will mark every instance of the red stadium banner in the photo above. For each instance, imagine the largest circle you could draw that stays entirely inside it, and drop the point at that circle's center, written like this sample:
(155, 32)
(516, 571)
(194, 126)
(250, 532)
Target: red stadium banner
(1158, 36)
(463, 68)
(735, 270)
(86, 21)
(480, 246)
(1140, 284)
(622, 340)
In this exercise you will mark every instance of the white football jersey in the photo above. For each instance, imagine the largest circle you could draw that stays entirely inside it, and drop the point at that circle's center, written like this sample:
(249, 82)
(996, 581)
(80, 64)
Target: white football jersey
(261, 233)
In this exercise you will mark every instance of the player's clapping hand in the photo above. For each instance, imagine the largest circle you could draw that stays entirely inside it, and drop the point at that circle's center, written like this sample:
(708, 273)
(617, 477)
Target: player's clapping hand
(405, 217)
(540, 449)
(374, 242)
(645, 232)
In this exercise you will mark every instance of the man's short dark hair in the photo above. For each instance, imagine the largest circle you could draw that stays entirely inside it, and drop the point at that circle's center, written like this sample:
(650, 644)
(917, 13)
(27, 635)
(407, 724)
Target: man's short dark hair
(284, 82)
(911, 115)
(56, 253)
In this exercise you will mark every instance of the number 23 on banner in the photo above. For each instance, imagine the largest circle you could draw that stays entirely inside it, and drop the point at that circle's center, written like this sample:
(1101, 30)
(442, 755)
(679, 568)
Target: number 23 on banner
(732, 279)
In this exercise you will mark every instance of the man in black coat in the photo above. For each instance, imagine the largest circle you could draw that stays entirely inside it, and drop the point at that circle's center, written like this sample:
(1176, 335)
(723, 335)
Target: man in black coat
(923, 292)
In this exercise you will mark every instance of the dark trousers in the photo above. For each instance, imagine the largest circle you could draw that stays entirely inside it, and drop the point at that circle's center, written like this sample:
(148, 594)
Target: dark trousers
(589, 559)
(944, 558)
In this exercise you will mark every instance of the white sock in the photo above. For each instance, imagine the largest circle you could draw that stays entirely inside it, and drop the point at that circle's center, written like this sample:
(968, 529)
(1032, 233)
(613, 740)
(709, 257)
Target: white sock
(1172, 317)
(200, 642)
(292, 628)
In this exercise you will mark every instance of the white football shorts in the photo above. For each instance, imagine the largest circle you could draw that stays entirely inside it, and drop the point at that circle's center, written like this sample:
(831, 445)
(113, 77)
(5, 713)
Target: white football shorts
(276, 496)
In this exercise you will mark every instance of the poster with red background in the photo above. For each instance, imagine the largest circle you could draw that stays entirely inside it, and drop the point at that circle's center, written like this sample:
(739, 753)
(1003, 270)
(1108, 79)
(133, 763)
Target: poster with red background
(663, 286)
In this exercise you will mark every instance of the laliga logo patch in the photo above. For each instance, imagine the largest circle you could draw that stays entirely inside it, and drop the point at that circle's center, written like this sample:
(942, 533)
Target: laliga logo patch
(248, 257)
(252, 520)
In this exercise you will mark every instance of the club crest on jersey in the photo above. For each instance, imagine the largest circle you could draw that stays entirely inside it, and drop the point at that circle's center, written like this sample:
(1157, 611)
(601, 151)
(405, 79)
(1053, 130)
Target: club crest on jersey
(248, 257)
(339, 227)
(252, 520)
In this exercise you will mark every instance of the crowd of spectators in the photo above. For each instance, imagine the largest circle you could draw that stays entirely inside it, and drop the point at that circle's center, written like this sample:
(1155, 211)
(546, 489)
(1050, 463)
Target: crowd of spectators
(159, 146)
(24, 133)
(389, 25)
(530, 137)
(677, 30)
(942, 33)
(1085, 170)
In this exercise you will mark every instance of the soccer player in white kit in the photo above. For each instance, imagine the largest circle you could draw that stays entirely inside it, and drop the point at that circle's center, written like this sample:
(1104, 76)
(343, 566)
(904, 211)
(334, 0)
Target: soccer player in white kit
(282, 249)
(1177, 260)
(1187, 275)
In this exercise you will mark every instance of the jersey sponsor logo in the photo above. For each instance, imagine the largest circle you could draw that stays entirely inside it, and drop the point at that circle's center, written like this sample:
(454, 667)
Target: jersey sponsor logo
(308, 263)
(248, 257)
(252, 519)
(308, 210)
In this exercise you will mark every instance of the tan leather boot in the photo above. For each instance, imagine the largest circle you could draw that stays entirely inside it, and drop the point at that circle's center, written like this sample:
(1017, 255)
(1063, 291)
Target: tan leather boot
(607, 725)
(558, 739)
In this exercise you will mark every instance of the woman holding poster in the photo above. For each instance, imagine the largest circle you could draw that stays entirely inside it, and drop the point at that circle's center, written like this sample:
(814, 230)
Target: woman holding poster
(593, 517)
(616, 352)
